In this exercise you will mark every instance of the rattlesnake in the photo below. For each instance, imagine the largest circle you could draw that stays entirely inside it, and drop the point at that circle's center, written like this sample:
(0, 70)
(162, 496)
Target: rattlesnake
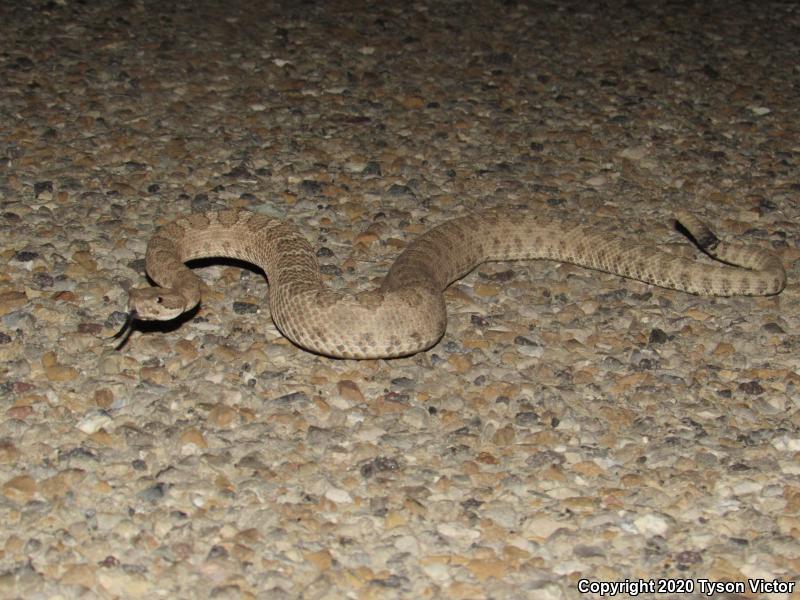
(406, 313)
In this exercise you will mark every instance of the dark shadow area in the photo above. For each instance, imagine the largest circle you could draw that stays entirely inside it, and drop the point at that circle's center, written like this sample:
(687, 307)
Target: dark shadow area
(201, 263)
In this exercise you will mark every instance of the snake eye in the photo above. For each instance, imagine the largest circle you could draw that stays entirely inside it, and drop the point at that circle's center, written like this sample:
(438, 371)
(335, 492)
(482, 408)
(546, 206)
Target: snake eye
(159, 300)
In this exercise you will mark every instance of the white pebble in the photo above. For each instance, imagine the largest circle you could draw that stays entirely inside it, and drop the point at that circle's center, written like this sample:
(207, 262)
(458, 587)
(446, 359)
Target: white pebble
(338, 495)
(94, 421)
(651, 525)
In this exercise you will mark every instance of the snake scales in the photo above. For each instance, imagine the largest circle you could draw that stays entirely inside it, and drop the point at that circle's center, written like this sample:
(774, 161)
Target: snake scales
(406, 313)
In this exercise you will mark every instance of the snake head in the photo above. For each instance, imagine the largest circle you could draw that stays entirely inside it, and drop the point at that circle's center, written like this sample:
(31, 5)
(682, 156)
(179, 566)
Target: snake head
(155, 304)
(150, 304)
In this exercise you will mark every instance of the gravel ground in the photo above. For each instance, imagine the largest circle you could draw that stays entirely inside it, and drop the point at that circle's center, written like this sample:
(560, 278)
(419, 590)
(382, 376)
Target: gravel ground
(572, 428)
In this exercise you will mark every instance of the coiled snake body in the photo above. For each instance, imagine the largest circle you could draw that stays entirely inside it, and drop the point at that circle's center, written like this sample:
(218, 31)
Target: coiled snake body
(406, 313)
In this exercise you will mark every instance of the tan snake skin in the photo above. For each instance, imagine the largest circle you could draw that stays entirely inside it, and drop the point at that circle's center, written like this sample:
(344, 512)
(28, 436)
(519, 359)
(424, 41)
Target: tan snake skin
(406, 313)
